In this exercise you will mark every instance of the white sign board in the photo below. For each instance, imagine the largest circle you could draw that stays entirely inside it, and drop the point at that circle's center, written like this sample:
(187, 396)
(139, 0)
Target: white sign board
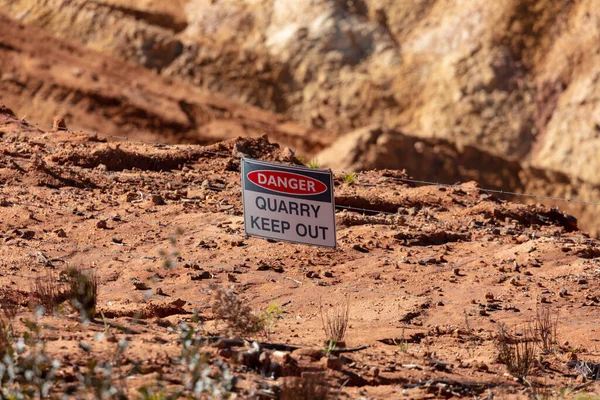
(293, 204)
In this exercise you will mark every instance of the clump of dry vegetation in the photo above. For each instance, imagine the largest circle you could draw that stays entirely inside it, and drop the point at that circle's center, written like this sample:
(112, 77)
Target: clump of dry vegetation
(335, 321)
(47, 292)
(237, 316)
(546, 327)
(83, 291)
(517, 350)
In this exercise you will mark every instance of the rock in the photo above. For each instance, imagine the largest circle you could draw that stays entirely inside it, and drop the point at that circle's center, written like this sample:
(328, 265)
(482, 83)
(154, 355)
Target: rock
(360, 248)
(282, 357)
(374, 371)
(264, 359)
(481, 366)
(27, 235)
(307, 352)
(129, 197)
(157, 200)
(200, 276)
(489, 296)
(59, 124)
(101, 224)
(287, 154)
(139, 285)
(332, 362)
(250, 358)
(60, 233)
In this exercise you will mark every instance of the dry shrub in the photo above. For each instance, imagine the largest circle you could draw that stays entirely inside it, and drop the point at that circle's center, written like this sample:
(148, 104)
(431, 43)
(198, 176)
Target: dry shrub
(335, 321)
(83, 291)
(6, 337)
(8, 309)
(308, 387)
(517, 350)
(47, 293)
(237, 316)
(546, 328)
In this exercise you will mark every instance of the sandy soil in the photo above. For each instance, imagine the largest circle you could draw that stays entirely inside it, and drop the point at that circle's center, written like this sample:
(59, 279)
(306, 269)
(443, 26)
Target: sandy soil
(429, 272)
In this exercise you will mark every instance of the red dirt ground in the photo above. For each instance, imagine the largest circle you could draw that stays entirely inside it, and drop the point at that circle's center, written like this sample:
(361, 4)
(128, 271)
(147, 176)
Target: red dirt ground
(437, 268)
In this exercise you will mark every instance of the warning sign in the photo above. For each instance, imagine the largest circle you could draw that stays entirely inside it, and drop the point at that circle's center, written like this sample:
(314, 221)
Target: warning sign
(293, 204)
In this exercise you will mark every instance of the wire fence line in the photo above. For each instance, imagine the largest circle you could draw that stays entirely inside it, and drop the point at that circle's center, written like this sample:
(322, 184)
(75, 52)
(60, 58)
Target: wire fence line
(529, 232)
(405, 180)
(364, 210)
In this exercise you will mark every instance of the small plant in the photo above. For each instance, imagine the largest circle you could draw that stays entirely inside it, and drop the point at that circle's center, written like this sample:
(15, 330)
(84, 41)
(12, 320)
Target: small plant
(269, 318)
(546, 329)
(47, 292)
(238, 317)
(83, 292)
(100, 378)
(515, 351)
(314, 164)
(402, 344)
(330, 346)
(335, 324)
(199, 377)
(309, 387)
(350, 178)
(26, 370)
(8, 308)
(170, 258)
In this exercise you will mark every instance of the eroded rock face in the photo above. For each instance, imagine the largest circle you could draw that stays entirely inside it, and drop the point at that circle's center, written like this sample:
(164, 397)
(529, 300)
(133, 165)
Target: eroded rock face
(514, 78)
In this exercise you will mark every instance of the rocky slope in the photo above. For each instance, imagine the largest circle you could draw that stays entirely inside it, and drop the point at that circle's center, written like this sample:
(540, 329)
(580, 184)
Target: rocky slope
(41, 77)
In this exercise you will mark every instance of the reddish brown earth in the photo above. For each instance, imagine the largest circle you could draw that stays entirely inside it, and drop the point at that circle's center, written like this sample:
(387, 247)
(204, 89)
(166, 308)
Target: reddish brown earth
(438, 268)
(42, 76)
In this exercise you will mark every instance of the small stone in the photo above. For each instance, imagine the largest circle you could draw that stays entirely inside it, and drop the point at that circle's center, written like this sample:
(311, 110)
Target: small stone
(157, 200)
(60, 233)
(522, 239)
(489, 296)
(264, 359)
(328, 274)
(225, 353)
(102, 167)
(59, 123)
(101, 224)
(27, 235)
(129, 197)
(287, 154)
(563, 292)
(139, 285)
(456, 271)
(374, 372)
(481, 366)
(359, 248)
(334, 363)
(200, 276)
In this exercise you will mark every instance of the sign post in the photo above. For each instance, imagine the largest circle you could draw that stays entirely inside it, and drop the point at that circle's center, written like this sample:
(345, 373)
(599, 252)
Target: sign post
(293, 204)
